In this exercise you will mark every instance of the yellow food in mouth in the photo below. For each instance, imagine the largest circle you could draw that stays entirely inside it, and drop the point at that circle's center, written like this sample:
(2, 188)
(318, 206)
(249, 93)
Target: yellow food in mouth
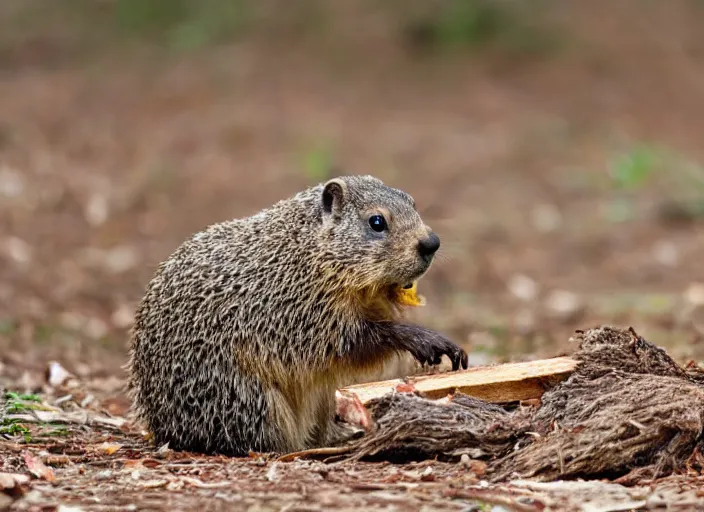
(409, 296)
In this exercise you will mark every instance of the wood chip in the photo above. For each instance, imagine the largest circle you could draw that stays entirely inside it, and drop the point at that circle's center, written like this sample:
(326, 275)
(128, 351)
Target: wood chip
(499, 384)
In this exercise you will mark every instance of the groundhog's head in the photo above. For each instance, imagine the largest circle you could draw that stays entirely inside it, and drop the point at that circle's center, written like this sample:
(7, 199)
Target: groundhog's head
(374, 233)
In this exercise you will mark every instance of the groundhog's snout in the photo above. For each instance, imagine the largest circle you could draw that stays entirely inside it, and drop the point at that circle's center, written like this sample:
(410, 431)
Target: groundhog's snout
(428, 246)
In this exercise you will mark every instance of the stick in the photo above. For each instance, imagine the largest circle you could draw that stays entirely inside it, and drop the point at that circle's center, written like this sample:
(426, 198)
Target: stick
(498, 384)
(328, 450)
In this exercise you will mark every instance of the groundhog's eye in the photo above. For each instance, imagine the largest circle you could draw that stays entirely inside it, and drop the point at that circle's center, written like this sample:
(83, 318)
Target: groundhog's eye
(377, 223)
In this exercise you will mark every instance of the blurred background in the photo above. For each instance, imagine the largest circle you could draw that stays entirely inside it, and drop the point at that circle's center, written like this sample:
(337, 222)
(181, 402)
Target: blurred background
(555, 146)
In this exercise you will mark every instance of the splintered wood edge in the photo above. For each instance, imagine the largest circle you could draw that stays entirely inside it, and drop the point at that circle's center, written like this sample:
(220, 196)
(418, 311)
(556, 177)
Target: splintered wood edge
(498, 384)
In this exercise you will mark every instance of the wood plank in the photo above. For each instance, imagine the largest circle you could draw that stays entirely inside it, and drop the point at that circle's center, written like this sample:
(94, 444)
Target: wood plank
(499, 384)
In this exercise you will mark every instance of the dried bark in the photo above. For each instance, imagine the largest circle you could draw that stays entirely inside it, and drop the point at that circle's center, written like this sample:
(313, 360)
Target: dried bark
(411, 427)
(628, 407)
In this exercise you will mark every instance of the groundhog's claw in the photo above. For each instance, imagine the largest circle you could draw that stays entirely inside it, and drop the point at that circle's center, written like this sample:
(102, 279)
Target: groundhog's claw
(441, 346)
(428, 347)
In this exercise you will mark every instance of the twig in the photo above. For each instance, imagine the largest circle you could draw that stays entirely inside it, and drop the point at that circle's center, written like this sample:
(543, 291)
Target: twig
(333, 450)
(68, 418)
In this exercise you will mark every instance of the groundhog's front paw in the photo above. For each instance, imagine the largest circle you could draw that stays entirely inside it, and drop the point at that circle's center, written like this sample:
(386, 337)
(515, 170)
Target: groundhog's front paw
(431, 347)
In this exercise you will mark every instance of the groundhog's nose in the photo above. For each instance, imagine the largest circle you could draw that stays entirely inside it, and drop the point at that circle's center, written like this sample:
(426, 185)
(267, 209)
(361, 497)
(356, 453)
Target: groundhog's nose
(429, 246)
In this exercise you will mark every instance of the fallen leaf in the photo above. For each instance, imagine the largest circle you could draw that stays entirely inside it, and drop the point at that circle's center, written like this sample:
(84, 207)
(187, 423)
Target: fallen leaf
(154, 484)
(523, 287)
(12, 480)
(109, 448)
(151, 463)
(66, 508)
(271, 474)
(405, 387)
(106, 474)
(57, 375)
(175, 485)
(427, 475)
(37, 467)
(58, 460)
(203, 485)
(477, 467)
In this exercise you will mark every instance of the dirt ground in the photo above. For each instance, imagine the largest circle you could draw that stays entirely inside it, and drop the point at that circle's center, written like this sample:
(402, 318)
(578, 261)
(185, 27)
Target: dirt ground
(68, 449)
(111, 155)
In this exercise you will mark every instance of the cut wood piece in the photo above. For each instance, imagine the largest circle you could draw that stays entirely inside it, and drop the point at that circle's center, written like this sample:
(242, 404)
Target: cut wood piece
(499, 384)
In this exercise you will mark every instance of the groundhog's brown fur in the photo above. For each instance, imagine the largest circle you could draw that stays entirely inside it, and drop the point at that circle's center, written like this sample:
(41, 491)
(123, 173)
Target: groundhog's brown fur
(247, 329)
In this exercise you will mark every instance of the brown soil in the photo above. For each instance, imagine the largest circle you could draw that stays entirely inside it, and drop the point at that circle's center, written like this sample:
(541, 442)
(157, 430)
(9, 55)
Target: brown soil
(623, 431)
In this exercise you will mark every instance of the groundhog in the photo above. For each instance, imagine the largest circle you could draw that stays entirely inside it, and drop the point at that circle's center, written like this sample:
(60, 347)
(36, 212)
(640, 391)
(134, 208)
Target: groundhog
(249, 327)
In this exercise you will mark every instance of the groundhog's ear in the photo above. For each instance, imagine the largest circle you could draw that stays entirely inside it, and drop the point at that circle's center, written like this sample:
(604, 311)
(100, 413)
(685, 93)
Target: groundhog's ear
(334, 196)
